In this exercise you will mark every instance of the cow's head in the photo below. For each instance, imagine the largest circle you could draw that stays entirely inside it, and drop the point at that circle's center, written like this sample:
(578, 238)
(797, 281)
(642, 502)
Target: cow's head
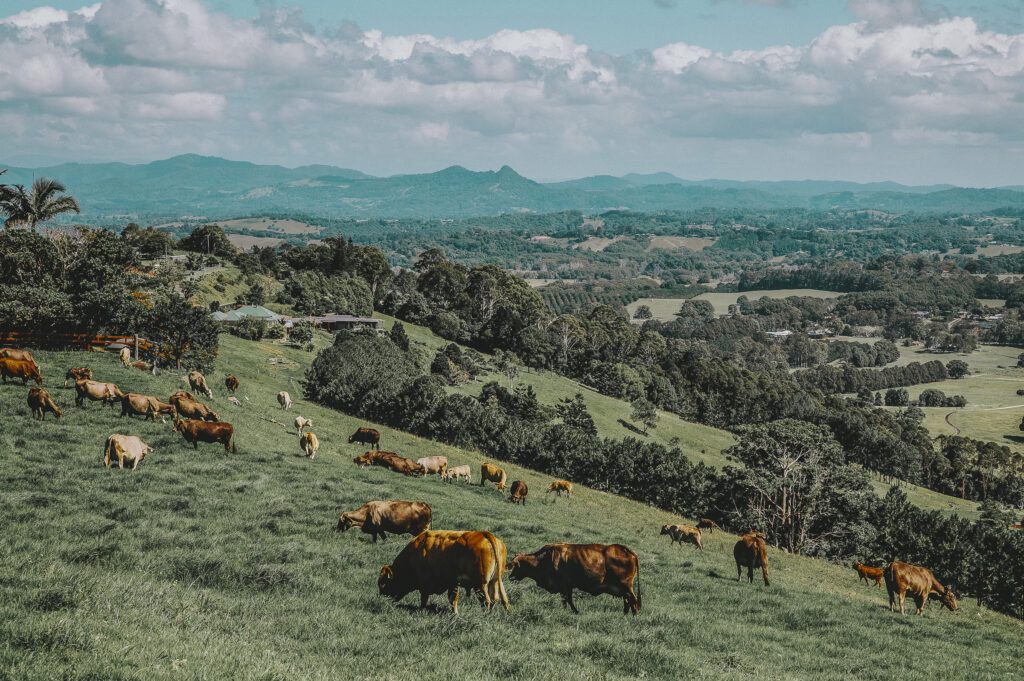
(179, 426)
(948, 599)
(36, 376)
(351, 438)
(387, 585)
(213, 416)
(57, 411)
(145, 450)
(664, 529)
(345, 522)
(857, 566)
(521, 566)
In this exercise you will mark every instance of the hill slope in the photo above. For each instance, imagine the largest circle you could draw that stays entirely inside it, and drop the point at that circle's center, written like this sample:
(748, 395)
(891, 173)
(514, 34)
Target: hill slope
(210, 565)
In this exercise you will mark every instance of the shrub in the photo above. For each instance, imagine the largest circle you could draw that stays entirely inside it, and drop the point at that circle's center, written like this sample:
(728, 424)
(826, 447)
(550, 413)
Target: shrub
(249, 328)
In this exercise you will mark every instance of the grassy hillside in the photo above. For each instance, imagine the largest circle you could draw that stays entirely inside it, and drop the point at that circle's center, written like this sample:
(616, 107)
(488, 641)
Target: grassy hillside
(212, 565)
(697, 441)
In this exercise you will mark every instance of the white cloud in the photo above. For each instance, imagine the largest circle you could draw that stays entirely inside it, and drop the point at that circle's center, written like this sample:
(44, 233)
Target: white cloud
(175, 75)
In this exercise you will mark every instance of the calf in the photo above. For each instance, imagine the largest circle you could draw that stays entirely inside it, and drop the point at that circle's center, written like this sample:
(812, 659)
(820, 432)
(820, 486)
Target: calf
(901, 577)
(231, 383)
(869, 574)
(683, 534)
(707, 524)
(591, 568)
(367, 436)
(125, 447)
(457, 473)
(39, 402)
(377, 518)
(140, 365)
(309, 443)
(559, 486)
(76, 374)
(434, 464)
(519, 492)
(301, 423)
(19, 368)
(195, 432)
(285, 400)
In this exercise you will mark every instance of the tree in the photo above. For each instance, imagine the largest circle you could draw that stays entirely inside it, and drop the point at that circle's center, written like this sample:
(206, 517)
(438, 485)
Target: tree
(957, 368)
(184, 334)
(45, 201)
(643, 312)
(574, 414)
(897, 397)
(644, 413)
(301, 334)
(508, 364)
(256, 295)
(399, 337)
(209, 239)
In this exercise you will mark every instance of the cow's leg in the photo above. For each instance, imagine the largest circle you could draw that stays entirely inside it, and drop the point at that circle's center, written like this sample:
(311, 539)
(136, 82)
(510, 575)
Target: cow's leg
(136, 464)
(739, 572)
(195, 445)
(892, 601)
(501, 595)
(921, 600)
(567, 600)
(106, 458)
(485, 596)
(903, 593)
(120, 460)
(750, 573)
(453, 598)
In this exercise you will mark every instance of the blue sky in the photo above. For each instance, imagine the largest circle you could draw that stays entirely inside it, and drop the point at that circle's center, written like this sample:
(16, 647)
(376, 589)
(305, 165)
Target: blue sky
(907, 90)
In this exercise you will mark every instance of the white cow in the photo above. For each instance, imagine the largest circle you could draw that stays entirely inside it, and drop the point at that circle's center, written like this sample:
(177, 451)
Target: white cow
(285, 400)
(458, 472)
(301, 423)
(125, 447)
(433, 464)
(126, 356)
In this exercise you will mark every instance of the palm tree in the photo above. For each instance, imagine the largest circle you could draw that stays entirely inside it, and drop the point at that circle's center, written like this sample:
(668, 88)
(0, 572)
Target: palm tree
(44, 202)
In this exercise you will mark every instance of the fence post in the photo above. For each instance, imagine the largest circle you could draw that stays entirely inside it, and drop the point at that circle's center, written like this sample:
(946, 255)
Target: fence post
(136, 347)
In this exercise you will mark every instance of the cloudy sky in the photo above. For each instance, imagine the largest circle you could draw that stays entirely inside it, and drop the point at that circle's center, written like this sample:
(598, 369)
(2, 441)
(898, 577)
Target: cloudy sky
(866, 90)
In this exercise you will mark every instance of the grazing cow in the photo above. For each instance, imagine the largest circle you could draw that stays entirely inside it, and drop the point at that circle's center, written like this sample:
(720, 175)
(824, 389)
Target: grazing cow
(591, 568)
(377, 518)
(488, 471)
(140, 365)
(309, 443)
(366, 436)
(750, 552)
(707, 524)
(146, 405)
(285, 400)
(869, 574)
(436, 562)
(39, 402)
(519, 490)
(125, 355)
(21, 355)
(683, 534)
(197, 382)
(457, 472)
(189, 408)
(433, 464)
(559, 486)
(125, 447)
(77, 374)
(19, 368)
(231, 383)
(195, 432)
(900, 578)
(96, 391)
(301, 423)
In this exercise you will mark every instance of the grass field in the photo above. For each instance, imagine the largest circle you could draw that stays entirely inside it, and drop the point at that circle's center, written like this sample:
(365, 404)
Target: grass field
(722, 301)
(676, 243)
(206, 565)
(663, 309)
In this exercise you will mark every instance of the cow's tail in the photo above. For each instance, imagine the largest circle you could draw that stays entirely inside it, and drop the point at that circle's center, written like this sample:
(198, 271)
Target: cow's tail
(764, 560)
(107, 452)
(499, 566)
(639, 595)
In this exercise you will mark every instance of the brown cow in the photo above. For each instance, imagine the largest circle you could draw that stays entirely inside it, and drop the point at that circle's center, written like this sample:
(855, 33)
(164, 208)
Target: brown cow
(436, 562)
(900, 577)
(559, 486)
(309, 443)
(125, 447)
(19, 368)
(191, 409)
(591, 568)
(21, 355)
(684, 534)
(39, 402)
(146, 405)
(195, 432)
(519, 491)
(96, 391)
(434, 464)
(197, 382)
(869, 574)
(400, 464)
(231, 383)
(367, 436)
(377, 518)
(76, 374)
(750, 552)
(375, 458)
(140, 365)
(488, 471)
(707, 524)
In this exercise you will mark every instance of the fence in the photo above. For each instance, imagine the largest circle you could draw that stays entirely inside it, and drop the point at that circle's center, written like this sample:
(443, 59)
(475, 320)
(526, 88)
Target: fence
(82, 341)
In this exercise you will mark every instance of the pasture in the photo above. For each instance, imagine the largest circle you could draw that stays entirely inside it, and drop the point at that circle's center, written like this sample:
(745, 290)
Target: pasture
(722, 301)
(678, 243)
(206, 565)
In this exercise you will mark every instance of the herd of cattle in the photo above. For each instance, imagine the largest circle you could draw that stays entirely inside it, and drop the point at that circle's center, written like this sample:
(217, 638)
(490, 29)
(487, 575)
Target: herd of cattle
(435, 561)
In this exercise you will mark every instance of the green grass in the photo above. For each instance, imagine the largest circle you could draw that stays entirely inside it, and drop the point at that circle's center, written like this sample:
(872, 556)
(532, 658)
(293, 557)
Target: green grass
(662, 309)
(209, 565)
(722, 301)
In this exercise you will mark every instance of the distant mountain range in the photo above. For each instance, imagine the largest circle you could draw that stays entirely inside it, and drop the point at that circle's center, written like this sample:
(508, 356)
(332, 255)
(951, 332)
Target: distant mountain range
(218, 188)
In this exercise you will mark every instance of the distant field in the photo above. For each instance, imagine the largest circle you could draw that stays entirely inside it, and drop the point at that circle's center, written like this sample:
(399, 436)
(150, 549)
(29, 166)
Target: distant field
(541, 283)
(675, 243)
(1002, 249)
(257, 224)
(663, 309)
(245, 242)
(992, 302)
(597, 243)
(722, 301)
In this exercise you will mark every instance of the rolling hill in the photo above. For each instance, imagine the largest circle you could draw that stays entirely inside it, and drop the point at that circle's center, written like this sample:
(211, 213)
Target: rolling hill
(202, 564)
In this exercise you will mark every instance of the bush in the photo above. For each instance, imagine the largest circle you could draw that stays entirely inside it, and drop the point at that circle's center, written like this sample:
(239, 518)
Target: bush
(301, 333)
(249, 328)
(275, 331)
